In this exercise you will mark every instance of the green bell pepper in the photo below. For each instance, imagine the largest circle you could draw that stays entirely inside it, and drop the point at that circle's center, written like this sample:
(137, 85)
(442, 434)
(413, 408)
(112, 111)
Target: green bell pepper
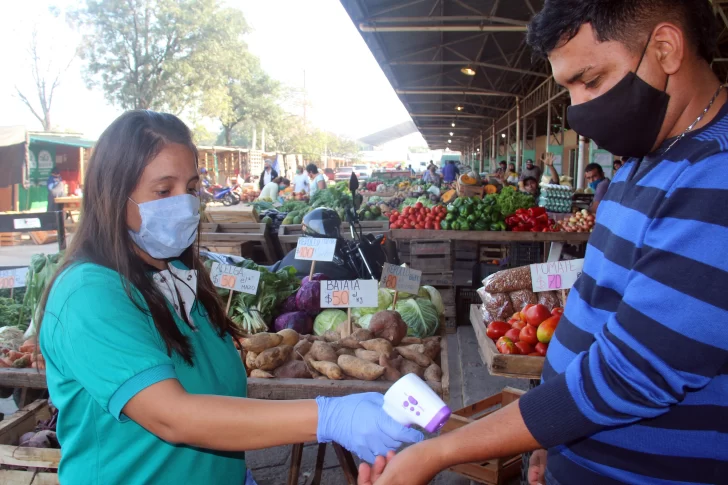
(465, 226)
(454, 226)
(445, 225)
(457, 203)
(480, 226)
(450, 217)
(472, 218)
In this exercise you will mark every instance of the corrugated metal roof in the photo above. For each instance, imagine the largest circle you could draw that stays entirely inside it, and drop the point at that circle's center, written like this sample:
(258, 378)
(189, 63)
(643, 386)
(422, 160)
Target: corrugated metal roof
(389, 134)
(72, 141)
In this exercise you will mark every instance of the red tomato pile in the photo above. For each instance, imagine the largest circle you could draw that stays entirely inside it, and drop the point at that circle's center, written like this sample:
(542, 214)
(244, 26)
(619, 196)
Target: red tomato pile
(418, 217)
(528, 332)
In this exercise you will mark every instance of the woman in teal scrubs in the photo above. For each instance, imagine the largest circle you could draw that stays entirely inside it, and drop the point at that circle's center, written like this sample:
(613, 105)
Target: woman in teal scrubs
(139, 351)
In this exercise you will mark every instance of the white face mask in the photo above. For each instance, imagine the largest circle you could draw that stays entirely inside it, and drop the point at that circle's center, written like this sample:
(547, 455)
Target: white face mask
(169, 226)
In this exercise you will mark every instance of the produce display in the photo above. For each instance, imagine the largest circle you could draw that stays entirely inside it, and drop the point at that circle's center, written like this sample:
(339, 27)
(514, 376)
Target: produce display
(44, 434)
(474, 214)
(581, 221)
(555, 198)
(22, 356)
(248, 194)
(527, 332)
(534, 219)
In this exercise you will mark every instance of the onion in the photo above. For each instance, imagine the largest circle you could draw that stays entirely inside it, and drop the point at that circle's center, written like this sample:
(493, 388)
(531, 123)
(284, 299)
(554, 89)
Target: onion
(572, 220)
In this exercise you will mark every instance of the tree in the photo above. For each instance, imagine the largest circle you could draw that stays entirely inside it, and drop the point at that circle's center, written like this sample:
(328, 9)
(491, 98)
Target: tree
(157, 54)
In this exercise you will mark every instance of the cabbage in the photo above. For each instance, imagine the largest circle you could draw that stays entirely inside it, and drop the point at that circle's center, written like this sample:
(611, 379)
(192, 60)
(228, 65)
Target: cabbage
(328, 320)
(301, 322)
(364, 321)
(400, 295)
(289, 305)
(435, 298)
(308, 297)
(423, 293)
(384, 301)
(420, 315)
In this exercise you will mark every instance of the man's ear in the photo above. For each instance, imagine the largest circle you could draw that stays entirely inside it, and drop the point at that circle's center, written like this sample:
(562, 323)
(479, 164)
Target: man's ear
(669, 47)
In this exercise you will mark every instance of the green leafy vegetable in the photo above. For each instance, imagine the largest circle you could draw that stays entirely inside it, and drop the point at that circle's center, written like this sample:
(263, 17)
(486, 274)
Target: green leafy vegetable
(40, 271)
(329, 319)
(420, 315)
(510, 200)
(435, 298)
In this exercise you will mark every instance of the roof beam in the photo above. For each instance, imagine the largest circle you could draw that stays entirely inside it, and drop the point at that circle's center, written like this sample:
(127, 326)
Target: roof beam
(462, 63)
(441, 28)
(449, 115)
(451, 91)
(397, 7)
(453, 18)
(494, 108)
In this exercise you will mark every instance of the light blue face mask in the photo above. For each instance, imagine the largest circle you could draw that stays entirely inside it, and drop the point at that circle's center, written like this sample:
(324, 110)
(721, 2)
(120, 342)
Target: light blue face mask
(594, 184)
(169, 226)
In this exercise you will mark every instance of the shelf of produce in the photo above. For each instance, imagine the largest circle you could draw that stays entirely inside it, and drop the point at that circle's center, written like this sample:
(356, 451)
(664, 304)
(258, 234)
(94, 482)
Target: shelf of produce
(491, 236)
(288, 234)
(517, 366)
(213, 236)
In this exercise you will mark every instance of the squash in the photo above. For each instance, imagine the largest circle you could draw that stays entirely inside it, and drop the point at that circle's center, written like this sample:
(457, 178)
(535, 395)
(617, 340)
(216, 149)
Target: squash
(448, 196)
(491, 189)
(468, 180)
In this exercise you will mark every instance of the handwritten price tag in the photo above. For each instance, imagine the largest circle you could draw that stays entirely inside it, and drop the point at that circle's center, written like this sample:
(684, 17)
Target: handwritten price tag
(349, 293)
(235, 278)
(315, 249)
(13, 278)
(400, 278)
(559, 275)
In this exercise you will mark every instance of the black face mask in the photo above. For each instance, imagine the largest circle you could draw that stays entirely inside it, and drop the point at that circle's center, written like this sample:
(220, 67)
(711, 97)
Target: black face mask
(625, 120)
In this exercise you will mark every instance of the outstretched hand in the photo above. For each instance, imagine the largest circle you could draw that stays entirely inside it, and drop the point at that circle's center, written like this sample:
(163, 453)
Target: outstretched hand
(369, 474)
(548, 159)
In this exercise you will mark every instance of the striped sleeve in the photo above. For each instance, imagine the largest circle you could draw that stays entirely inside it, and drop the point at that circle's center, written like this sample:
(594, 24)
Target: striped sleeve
(668, 336)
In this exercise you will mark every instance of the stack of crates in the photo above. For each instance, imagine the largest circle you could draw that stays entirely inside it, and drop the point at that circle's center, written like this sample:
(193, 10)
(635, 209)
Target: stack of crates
(435, 259)
(466, 258)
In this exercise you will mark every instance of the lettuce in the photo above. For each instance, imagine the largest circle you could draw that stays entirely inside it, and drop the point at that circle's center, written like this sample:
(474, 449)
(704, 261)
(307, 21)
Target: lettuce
(420, 315)
(329, 319)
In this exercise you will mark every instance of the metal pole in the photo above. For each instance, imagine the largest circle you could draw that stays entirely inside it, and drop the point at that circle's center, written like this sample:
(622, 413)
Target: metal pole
(548, 123)
(481, 167)
(518, 134)
(580, 163)
(508, 139)
(525, 133)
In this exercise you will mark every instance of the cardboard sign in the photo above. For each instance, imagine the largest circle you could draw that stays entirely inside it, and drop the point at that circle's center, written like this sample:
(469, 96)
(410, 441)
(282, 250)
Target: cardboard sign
(558, 275)
(13, 278)
(400, 278)
(33, 223)
(349, 293)
(315, 249)
(235, 278)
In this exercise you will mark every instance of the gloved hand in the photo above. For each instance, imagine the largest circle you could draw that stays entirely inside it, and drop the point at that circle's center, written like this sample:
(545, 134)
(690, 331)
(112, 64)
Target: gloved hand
(359, 424)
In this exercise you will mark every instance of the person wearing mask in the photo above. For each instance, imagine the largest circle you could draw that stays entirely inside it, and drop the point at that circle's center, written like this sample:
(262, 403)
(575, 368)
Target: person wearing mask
(594, 175)
(55, 189)
(617, 164)
(432, 177)
(531, 170)
(268, 174)
(634, 388)
(502, 170)
(139, 350)
(450, 172)
(512, 175)
(271, 190)
(318, 181)
(301, 183)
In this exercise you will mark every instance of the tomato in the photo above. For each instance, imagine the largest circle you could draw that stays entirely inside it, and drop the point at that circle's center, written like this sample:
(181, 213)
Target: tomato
(528, 335)
(537, 314)
(518, 324)
(557, 311)
(428, 225)
(535, 354)
(541, 348)
(523, 312)
(506, 346)
(418, 205)
(419, 226)
(496, 329)
(524, 348)
(438, 227)
(513, 334)
(392, 219)
(394, 226)
(546, 330)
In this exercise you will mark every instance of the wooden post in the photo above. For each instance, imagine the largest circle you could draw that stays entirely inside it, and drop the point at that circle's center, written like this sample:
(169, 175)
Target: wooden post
(313, 265)
(394, 300)
(230, 299)
(348, 322)
(81, 166)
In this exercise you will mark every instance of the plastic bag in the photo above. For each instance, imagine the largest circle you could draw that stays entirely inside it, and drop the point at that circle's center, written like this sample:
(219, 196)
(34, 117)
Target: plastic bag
(498, 306)
(549, 299)
(521, 298)
(509, 280)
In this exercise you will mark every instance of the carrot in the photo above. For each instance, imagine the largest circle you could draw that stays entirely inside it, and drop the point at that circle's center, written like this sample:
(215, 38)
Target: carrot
(14, 355)
(5, 363)
(28, 346)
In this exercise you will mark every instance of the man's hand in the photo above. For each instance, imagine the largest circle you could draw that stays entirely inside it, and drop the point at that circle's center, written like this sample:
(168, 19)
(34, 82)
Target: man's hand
(416, 465)
(368, 475)
(548, 159)
(537, 467)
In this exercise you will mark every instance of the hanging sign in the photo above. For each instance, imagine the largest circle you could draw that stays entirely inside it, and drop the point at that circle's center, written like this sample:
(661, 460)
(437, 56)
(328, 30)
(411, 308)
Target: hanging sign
(559, 275)
(315, 249)
(13, 278)
(349, 293)
(235, 278)
(400, 278)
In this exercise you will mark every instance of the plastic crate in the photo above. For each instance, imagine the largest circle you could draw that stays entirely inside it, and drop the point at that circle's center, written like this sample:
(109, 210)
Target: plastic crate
(523, 254)
(464, 298)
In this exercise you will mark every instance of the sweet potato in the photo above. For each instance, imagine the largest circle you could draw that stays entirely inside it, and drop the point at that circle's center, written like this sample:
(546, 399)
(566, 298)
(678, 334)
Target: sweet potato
(269, 359)
(301, 349)
(411, 354)
(290, 336)
(322, 378)
(5, 363)
(321, 351)
(368, 355)
(312, 338)
(362, 334)
(294, 369)
(250, 360)
(410, 341)
(261, 374)
(433, 373)
(261, 341)
(341, 330)
(409, 367)
(384, 347)
(329, 369)
(432, 349)
(391, 374)
(345, 351)
(419, 348)
(397, 362)
(431, 339)
(350, 342)
(388, 324)
(14, 355)
(332, 336)
(360, 369)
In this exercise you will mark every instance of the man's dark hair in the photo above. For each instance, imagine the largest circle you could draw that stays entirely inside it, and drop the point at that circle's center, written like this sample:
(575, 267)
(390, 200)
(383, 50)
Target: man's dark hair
(502, 162)
(529, 161)
(529, 179)
(594, 166)
(627, 21)
(312, 168)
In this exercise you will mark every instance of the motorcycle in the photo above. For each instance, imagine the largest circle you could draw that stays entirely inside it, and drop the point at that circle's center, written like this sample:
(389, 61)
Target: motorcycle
(227, 195)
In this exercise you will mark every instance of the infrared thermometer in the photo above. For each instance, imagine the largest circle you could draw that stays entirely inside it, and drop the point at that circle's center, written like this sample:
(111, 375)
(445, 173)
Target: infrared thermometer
(410, 401)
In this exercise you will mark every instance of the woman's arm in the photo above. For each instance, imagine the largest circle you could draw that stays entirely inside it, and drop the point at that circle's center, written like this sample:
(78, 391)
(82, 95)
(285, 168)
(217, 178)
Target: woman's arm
(321, 184)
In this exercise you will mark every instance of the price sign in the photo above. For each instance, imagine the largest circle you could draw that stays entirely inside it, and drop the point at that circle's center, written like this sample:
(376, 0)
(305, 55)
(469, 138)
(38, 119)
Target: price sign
(13, 278)
(315, 249)
(349, 293)
(558, 275)
(400, 278)
(235, 278)
(33, 223)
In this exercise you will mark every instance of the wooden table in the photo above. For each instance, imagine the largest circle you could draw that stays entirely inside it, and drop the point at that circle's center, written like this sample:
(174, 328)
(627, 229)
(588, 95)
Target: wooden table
(69, 205)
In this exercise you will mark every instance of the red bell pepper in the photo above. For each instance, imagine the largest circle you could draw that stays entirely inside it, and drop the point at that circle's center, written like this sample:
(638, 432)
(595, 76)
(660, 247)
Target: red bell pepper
(536, 211)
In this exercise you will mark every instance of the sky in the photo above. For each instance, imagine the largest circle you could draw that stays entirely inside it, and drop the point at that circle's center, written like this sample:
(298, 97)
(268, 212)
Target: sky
(346, 87)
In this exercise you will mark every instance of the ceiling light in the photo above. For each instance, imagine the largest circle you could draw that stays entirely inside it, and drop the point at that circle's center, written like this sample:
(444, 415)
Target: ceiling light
(503, 135)
(452, 124)
(468, 71)
(451, 133)
(478, 149)
(459, 108)
(449, 141)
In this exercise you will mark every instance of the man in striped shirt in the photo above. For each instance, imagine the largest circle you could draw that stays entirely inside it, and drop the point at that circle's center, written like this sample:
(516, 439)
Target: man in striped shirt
(635, 384)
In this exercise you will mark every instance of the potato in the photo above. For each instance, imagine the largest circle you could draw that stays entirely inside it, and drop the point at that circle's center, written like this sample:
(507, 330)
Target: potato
(368, 355)
(362, 334)
(433, 373)
(410, 341)
(360, 369)
(391, 374)
(384, 347)
(350, 342)
(322, 351)
(409, 367)
(431, 339)
(345, 351)
(329, 369)
(432, 349)
(411, 354)
(271, 358)
(290, 336)
(341, 329)
(419, 348)
(301, 349)
(397, 362)
(261, 374)
(294, 369)
(313, 338)
(322, 378)
(332, 336)
(388, 324)
(250, 360)
(261, 341)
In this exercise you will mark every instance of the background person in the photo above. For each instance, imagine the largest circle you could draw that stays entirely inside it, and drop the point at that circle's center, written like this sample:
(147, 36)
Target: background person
(267, 175)
(531, 170)
(272, 189)
(55, 189)
(431, 176)
(594, 175)
(512, 176)
(318, 181)
(450, 172)
(301, 182)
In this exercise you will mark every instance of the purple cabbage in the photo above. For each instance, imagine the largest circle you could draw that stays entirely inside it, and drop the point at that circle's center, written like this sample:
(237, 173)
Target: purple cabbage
(308, 297)
(316, 277)
(301, 322)
(289, 305)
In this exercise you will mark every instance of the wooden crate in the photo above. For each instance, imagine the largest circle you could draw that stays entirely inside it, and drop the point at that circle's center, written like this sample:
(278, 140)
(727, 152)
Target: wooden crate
(518, 366)
(442, 278)
(447, 295)
(23, 421)
(432, 262)
(431, 248)
(451, 325)
(470, 190)
(492, 252)
(234, 214)
(492, 472)
(9, 238)
(466, 250)
(44, 237)
(240, 237)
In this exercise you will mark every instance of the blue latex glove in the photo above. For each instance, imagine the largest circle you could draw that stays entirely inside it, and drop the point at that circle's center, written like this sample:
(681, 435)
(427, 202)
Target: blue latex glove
(359, 424)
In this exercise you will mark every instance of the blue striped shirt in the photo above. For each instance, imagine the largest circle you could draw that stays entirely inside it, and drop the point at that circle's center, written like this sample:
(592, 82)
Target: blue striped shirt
(635, 384)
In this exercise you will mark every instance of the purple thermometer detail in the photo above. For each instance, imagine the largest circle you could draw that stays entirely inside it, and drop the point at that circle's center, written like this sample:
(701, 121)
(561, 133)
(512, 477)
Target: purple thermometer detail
(405, 404)
(412, 400)
(438, 420)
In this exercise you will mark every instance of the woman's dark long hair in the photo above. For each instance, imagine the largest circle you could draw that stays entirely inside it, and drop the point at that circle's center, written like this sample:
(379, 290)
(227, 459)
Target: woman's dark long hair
(114, 170)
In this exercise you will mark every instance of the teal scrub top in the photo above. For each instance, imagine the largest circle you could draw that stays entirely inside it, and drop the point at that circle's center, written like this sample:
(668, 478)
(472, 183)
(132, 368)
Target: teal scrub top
(101, 350)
